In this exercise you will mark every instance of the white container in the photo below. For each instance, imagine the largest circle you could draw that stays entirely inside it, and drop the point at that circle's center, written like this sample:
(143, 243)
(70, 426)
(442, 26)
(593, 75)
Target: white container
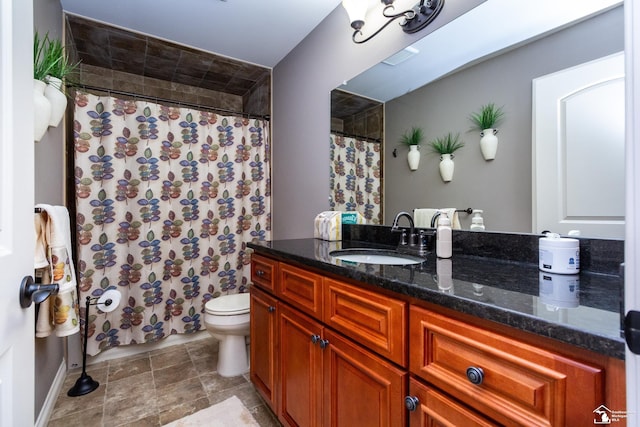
(477, 222)
(559, 255)
(443, 237)
(559, 290)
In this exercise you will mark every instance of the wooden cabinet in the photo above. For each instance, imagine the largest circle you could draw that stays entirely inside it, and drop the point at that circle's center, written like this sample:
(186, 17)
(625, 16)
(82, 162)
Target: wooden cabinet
(300, 369)
(327, 380)
(263, 271)
(374, 320)
(264, 336)
(360, 389)
(506, 380)
(312, 375)
(329, 353)
(300, 288)
(429, 407)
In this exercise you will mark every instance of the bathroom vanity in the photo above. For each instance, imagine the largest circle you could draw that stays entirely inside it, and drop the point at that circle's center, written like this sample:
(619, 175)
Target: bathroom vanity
(481, 342)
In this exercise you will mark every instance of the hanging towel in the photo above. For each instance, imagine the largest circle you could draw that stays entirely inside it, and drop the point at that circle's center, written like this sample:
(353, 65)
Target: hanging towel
(53, 237)
(422, 217)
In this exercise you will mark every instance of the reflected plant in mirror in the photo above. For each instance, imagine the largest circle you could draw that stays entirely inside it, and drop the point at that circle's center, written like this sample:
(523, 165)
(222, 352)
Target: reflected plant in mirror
(486, 121)
(446, 146)
(413, 139)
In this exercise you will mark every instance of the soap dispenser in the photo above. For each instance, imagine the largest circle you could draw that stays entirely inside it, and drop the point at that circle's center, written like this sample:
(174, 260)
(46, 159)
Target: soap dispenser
(443, 237)
(477, 222)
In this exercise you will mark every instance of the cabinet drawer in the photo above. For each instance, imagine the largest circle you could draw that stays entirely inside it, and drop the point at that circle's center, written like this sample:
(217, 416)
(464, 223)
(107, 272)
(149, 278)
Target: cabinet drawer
(301, 289)
(437, 409)
(518, 384)
(263, 271)
(376, 321)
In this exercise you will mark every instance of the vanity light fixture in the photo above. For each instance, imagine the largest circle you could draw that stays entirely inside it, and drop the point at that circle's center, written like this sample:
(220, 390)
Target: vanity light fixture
(415, 19)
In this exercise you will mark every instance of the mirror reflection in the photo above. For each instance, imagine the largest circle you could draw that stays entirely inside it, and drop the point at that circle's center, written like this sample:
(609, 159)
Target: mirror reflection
(502, 188)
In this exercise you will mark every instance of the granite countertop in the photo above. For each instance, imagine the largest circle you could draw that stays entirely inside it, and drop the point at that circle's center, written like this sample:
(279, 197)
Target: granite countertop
(584, 310)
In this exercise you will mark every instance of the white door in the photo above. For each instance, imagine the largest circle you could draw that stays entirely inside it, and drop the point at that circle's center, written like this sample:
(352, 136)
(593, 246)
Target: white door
(578, 149)
(16, 212)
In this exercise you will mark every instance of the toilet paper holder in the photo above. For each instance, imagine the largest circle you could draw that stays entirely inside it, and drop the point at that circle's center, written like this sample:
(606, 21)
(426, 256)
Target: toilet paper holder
(31, 291)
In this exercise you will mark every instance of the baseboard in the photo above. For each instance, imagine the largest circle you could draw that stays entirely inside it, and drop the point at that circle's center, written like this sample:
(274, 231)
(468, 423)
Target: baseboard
(52, 396)
(133, 349)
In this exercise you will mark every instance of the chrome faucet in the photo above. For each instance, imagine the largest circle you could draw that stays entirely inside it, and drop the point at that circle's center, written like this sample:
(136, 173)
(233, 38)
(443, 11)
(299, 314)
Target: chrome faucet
(434, 218)
(416, 243)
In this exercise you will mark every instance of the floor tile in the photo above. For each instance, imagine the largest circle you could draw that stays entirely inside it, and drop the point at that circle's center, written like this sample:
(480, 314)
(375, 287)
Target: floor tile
(174, 373)
(154, 388)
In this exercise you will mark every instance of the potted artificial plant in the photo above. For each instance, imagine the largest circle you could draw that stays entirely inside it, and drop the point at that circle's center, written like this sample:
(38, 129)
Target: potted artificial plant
(413, 140)
(486, 121)
(446, 146)
(50, 67)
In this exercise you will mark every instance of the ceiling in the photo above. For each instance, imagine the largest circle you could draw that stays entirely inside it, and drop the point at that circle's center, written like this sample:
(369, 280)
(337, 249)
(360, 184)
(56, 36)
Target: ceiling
(490, 28)
(112, 48)
(259, 32)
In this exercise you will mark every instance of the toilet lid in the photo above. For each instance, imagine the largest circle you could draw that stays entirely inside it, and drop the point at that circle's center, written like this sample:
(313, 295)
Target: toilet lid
(229, 305)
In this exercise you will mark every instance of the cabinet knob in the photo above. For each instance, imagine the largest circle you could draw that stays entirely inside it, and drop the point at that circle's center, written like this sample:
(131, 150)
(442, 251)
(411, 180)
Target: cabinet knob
(324, 344)
(315, 339)
(475, 375)
(271, 309)
(259, 273)
(411, 403)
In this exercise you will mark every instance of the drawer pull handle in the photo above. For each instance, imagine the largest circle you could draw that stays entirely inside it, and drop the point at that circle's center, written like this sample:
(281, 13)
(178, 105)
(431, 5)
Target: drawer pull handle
(324, 344)
(475, 375)
(259, 273)
(411, 403)
(271, 309)
(315, 339)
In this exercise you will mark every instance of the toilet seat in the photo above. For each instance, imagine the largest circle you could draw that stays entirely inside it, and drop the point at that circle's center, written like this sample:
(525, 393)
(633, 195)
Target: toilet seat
(229, 305)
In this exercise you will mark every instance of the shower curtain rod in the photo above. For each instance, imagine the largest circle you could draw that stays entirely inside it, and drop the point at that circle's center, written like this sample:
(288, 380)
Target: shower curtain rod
(363, 138)
(171, 101)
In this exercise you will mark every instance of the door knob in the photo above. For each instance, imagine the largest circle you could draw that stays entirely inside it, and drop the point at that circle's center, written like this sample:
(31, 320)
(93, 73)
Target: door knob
(31, 292)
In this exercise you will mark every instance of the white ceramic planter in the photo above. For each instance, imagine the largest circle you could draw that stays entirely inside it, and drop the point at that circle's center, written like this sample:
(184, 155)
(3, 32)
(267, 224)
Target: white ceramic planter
(446, 167)
(41, 110)
(57, 98)
(489, 143)
(413, 157)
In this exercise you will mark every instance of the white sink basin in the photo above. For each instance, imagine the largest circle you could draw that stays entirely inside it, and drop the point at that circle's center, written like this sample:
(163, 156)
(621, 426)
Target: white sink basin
(375, 256)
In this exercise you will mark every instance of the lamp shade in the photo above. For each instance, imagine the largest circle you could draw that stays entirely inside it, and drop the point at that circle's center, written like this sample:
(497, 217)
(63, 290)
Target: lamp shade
(356, 9)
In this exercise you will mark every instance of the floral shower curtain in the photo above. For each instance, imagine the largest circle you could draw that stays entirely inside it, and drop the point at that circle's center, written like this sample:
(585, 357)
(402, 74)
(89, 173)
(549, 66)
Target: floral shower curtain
(355, 177)
(166, 200)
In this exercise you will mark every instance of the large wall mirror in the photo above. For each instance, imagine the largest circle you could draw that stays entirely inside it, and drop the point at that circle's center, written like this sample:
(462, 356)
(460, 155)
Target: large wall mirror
(504, 187)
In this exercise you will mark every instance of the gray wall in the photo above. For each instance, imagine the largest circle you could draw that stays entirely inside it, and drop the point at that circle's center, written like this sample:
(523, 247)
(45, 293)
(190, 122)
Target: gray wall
(49, 178)
(302, 83)
(502, 187)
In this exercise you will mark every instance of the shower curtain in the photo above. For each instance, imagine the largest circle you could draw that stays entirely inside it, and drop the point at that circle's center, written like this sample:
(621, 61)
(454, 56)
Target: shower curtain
(166, 200)
(355, 177)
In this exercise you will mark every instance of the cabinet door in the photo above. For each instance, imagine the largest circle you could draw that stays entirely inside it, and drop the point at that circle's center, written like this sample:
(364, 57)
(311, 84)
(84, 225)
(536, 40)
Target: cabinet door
(300, 369)
(373, 320)
(360, 389)
(263, 271)
(301, 288)
(264, 345)
(507, 380)
(432, 408)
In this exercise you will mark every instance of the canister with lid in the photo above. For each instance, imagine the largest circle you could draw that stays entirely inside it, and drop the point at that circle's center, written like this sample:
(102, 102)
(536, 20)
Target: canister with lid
(559, 254)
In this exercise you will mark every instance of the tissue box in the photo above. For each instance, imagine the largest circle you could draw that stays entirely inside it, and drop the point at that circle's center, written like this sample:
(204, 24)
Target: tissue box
(328, 224)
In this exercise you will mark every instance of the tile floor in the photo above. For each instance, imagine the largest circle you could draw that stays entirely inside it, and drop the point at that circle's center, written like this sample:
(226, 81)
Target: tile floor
(155, 388)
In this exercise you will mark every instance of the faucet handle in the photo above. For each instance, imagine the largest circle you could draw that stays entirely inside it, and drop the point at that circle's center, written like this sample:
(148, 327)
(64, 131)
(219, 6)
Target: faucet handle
(403, 236)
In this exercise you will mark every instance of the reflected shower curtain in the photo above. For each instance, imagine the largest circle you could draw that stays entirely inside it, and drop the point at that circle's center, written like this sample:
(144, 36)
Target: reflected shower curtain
(355, 177)
(166, 199)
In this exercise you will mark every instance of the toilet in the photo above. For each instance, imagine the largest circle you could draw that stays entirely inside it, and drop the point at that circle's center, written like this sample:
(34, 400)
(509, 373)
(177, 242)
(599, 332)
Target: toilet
(227, 319)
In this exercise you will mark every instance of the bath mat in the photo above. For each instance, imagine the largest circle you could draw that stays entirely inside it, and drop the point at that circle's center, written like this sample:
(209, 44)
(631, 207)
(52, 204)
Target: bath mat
(229, 413)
